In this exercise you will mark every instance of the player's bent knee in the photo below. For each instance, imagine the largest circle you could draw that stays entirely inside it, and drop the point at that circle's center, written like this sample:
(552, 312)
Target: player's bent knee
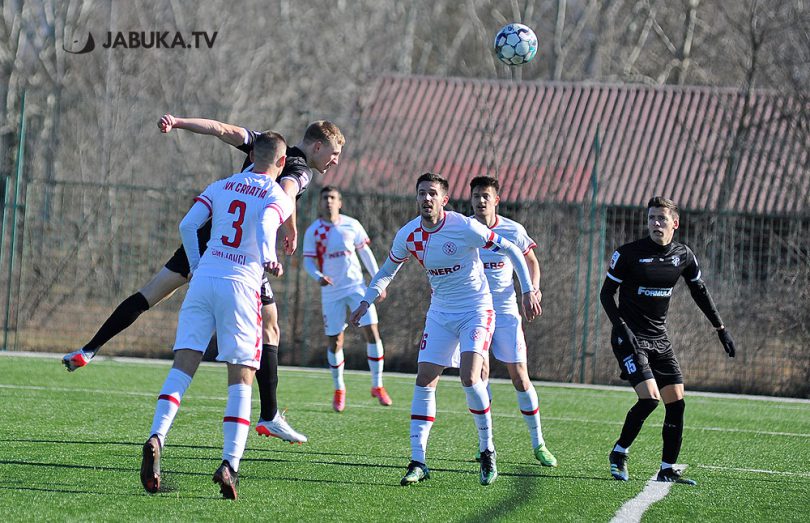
(645, 406)
(187, 361)
(161, 286)
(371, 333)
(676, 407)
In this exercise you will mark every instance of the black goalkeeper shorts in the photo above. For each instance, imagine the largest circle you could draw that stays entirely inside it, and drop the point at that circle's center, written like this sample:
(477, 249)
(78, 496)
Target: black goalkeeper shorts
(655, 360)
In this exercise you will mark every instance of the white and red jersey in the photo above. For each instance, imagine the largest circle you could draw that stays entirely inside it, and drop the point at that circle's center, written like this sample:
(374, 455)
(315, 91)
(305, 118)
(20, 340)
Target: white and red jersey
(498, 267)
(334, 247)
(242, 208)
(449, 255)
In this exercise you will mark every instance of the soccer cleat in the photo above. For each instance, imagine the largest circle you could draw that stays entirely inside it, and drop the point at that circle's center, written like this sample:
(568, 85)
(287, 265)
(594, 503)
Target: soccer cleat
(544, 456)
(489, 472)
(339, 400)
(150, 465)
(279, 428)
(381, 394)
(671, 475)
(228, 480)
(416, 472)
(618, 465)
(77, 359)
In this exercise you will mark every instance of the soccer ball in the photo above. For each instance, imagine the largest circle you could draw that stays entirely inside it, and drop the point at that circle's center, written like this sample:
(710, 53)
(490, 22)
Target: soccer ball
(515, 44)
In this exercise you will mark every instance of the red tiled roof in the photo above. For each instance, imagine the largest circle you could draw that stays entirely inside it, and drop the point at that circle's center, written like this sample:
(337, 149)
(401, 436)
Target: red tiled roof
(538, 139)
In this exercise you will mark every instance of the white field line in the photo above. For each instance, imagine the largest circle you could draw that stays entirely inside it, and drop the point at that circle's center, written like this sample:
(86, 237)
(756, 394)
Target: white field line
(632, 511)
(758, 471)
(495, 414)
(410, 377)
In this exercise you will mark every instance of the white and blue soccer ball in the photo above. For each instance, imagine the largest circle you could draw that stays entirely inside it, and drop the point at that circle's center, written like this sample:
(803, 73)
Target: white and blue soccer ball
(515, 44)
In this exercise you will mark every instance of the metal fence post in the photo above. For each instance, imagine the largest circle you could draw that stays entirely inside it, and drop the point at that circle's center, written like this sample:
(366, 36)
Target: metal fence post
(14, 207)
(584, 354)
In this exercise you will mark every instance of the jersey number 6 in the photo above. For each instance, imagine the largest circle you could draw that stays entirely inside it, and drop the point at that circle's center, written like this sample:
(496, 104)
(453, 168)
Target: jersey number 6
(237, 208)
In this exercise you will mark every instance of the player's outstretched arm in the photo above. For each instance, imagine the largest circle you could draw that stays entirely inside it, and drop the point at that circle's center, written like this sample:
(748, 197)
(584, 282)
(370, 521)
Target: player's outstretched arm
(312, 269)
(534, 268)
(530, 299)
(193, 220)
(376, 287)
(228, 133)
(289, 227)
(270, 220)
(606, 297)
(370, 263)
(706, 304)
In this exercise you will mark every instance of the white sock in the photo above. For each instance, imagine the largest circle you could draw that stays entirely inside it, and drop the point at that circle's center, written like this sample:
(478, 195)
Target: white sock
(423, 413)
(168, 403)
(236, 423)
(478, 403)
(619, 448)
(375, 354)
(336, 366)
(666, 465)
(528, 404)
(489, 391)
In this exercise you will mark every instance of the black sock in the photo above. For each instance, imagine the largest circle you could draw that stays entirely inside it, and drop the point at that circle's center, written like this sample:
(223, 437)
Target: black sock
(121, 318)
(635, 419)
(267, 379)
(672, 431)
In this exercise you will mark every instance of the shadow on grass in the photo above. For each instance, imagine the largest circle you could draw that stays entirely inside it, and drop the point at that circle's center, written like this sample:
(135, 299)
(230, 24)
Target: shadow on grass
(94, 467)
(164, 489)
(285, 449)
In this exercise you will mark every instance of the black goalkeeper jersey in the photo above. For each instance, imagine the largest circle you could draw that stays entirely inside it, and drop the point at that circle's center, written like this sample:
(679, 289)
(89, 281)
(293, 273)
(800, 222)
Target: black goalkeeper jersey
(646, 273)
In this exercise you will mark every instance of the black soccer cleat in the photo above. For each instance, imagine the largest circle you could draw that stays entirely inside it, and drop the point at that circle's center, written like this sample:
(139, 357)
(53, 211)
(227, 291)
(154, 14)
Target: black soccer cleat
(618, 465)
(150, 465)
(489, 471)
(228, 480)
(671, 475)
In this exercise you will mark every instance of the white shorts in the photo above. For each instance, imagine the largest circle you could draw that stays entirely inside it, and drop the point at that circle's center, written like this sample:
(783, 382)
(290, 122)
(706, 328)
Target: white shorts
(448, 334)
(334, 313)
(508, 342)
(229, 307)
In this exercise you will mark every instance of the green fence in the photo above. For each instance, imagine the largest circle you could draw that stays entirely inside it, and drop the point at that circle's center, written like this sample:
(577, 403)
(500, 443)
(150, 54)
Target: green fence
(82, 248)
(71, 251)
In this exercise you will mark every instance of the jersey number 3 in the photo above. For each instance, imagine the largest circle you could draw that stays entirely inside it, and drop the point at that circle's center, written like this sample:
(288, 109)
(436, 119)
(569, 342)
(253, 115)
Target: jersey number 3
(237, 208)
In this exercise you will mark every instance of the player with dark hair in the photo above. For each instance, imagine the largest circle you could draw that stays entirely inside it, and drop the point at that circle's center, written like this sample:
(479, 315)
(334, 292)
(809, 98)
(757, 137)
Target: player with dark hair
(319, 149)
(460, 320)
(508, 341)
(645, 272)
(334, 245)
(245, 211)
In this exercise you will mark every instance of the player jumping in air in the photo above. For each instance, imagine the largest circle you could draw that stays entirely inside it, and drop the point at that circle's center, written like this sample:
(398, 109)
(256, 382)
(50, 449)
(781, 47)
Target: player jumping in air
(245, 211)
(460, 320)
(645, 272)
(319, 149)
(508, 342)
(332, 245)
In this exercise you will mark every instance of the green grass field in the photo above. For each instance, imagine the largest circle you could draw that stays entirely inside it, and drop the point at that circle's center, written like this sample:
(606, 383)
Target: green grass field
(70, 450)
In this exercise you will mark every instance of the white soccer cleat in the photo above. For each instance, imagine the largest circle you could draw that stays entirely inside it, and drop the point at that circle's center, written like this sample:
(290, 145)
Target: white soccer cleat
(279, 428)
(77, 359)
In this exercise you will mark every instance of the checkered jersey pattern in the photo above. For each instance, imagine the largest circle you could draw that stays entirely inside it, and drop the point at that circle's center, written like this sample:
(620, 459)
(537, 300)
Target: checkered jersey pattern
(321, 233)
(417, 243)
